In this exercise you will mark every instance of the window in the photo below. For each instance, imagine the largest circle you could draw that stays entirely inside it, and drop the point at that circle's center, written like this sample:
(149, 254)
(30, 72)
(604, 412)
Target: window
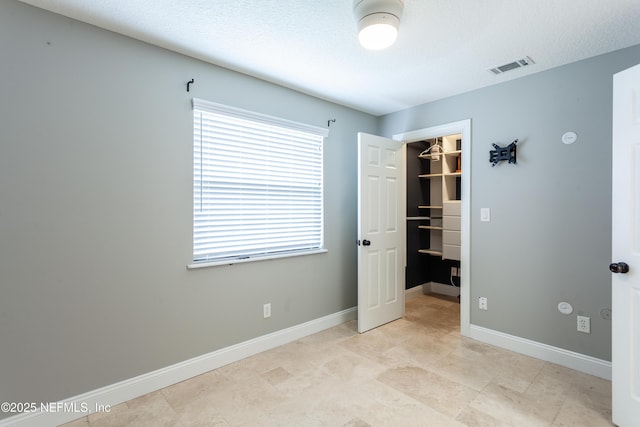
(257, 184)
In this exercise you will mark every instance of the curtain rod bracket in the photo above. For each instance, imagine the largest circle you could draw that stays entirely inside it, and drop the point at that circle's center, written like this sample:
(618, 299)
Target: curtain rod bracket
(330, 121)
(189, 83)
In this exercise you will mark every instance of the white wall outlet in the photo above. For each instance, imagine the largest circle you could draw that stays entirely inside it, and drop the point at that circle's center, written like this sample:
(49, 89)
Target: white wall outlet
(454, 271)
(266, 310)
(584, 324)
(482, 303)
(485, 214)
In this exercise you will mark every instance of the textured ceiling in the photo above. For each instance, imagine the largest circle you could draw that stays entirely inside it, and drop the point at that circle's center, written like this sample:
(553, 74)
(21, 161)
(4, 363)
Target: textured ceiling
(444, 47)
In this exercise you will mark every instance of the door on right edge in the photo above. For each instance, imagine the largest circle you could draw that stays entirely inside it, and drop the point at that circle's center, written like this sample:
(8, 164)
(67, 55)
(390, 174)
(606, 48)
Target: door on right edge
(625, 244)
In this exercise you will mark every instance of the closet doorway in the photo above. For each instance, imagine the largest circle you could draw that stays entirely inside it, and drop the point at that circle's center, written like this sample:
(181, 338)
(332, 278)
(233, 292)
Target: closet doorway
(438, 198)
(386, 225)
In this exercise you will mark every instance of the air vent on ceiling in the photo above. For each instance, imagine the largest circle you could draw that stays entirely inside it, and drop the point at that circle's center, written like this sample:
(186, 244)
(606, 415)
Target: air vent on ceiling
(519, 63)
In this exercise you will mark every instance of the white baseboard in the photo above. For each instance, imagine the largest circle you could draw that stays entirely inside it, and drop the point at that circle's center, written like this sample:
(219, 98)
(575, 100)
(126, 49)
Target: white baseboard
(570, 359)
(439, 288)
(114, 394)
(413, 292)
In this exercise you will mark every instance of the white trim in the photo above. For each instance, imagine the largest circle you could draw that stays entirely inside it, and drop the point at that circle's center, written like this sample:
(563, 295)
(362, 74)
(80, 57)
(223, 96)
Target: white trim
(442, 289)
(413, 292)
(213, 107)
(463, 127)
(570, 359)
(254, 258)
(146, 383)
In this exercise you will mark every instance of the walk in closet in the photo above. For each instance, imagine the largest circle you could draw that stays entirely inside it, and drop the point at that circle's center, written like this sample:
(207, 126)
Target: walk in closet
(434, 183)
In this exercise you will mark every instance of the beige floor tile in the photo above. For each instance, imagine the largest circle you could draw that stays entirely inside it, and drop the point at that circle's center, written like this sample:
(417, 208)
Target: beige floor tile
(201, 411)
(596, 394)
(588, 403)
(353, 368)
(463, 370)
(357, 422)
(574, 413)
(277, 375)
(182, 394)
(377, 404)
(515, 408)
(423, 351)
(334, 335)
(448, 397)
(474, 418)
(246, 400)
(312, 382)
(82, 422)
(370, 344)
(416, 371)
(112, 412)
(149, 410)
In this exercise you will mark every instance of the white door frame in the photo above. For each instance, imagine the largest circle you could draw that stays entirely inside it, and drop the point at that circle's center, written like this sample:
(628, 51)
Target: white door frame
(462, 127)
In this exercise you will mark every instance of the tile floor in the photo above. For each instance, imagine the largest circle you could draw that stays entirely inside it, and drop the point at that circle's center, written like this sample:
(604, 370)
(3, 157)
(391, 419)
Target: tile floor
(416, 371)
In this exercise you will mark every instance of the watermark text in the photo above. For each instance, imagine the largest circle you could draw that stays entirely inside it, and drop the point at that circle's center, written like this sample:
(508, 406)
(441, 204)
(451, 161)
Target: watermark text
(53, 407)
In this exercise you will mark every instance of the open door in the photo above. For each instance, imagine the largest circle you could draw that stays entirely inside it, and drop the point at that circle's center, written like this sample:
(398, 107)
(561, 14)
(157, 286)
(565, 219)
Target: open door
(381, 231)
(625, 247)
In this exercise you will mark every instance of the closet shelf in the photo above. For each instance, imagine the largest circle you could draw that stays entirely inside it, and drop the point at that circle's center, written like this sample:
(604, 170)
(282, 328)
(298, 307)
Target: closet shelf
(429, 207)
(429, 175)
(430, 227)
(418, 218)
(430, 252)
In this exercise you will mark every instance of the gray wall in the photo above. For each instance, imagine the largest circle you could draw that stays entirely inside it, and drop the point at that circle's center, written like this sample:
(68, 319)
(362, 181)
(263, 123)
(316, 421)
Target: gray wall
(549, 239)
(96, 211)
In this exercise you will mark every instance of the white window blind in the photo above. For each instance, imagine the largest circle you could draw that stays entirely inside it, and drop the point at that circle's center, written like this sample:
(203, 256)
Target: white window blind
(257, 185)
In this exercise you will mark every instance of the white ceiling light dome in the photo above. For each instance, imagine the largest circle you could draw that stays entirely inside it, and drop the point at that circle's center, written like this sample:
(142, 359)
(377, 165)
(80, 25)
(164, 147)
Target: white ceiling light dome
(378, 22)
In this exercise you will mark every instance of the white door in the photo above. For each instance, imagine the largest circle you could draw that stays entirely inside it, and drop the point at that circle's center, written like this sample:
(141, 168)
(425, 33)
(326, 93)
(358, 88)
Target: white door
(381, 231)
(626, 248)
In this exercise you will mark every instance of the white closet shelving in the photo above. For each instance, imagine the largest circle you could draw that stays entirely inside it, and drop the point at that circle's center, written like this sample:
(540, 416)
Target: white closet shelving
(441, 161)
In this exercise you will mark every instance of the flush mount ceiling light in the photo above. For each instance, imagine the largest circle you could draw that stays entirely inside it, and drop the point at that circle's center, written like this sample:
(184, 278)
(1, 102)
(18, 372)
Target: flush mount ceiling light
(378, 22)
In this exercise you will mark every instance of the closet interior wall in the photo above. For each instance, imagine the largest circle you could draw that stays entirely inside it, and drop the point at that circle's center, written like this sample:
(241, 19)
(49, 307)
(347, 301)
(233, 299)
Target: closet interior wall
(433, 185)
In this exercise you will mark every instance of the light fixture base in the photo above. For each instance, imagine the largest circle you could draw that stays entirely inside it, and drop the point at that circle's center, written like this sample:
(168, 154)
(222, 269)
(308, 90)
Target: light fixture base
(378, 22)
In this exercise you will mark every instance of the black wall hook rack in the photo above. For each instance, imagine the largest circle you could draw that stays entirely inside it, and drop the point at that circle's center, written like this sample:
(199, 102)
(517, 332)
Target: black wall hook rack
(190, 82)
(503, 153)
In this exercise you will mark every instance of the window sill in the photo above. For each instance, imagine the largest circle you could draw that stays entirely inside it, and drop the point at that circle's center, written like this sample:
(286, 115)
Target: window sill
(251, 259)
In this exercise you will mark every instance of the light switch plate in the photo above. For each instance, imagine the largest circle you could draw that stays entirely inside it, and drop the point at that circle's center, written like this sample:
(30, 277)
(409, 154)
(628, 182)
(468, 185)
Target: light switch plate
(485, 214)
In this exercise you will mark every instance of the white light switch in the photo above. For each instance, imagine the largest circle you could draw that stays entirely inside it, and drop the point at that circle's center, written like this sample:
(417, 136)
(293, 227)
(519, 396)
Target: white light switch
(485, 214)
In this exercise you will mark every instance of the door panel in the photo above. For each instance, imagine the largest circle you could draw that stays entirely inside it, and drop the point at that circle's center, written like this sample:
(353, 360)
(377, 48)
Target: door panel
(392, 275)
(373, 190)
(381, 235)
(374, 280)
(391, 205)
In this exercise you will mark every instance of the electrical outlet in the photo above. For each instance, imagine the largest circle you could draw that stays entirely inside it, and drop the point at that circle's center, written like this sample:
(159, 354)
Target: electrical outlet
(454, 271)
(482, 303)
(266, 310)
(584, 324)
